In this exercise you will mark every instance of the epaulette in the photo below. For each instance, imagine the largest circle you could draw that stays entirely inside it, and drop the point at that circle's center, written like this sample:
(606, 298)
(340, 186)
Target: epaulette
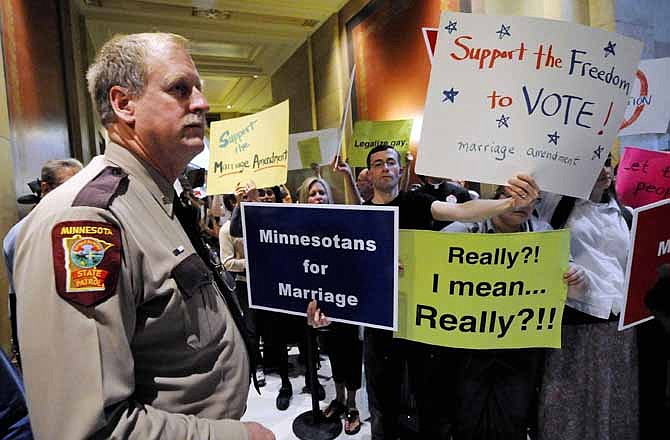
(103, 188)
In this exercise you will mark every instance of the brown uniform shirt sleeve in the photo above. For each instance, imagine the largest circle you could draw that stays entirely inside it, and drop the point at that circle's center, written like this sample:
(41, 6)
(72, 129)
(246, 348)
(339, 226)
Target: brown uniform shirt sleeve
(79, 368)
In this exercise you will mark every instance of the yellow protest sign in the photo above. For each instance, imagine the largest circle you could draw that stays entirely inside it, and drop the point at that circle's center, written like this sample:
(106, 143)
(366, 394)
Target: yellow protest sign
(253, 147)
(369, 134)
(483, 291)
(310, 151)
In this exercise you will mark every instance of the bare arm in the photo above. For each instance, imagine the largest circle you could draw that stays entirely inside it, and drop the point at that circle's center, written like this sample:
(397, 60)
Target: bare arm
(472, 211)
(522, 188)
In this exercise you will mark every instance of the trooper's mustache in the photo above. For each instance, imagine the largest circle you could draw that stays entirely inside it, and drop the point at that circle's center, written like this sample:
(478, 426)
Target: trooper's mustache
(195, 120)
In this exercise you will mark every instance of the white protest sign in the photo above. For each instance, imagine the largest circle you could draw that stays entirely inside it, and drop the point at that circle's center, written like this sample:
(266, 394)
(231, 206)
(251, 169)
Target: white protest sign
(648, 109)
(510, 94)
(328, 140)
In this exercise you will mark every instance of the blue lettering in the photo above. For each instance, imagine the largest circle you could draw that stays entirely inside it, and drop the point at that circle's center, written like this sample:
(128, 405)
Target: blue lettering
(532, 108)
(582, 111)
(574, 61)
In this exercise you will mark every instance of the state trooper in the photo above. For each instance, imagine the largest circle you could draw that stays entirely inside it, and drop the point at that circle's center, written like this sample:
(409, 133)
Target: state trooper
(124, 331)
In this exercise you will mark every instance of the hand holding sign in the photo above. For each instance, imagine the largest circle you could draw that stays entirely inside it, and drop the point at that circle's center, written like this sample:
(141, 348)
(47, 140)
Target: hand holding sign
(523, 189)
(246, 192)
(315, 317)
(575, 276)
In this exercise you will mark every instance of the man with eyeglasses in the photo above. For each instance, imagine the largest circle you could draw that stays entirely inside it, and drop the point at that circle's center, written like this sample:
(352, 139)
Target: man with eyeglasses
(385, 356)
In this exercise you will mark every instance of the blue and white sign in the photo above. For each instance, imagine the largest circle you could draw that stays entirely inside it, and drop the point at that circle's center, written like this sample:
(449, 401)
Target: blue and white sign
(345, 257)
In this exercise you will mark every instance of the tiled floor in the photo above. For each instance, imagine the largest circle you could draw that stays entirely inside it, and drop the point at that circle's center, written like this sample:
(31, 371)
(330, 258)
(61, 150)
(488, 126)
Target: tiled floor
(262, 408)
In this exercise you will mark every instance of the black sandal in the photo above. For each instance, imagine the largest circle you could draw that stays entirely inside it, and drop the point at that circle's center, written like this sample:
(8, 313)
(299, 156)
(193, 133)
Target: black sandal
(352, 415)
(334, 410)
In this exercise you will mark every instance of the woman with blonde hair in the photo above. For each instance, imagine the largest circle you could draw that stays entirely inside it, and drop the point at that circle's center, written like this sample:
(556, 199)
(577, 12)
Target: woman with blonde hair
(315, 190)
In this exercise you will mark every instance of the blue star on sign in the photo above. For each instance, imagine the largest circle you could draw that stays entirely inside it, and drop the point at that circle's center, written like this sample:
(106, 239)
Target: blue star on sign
(597, 152)
(504, 31)
(451, 27)
(609, 49)
(503, 121)
(553, 138)
(449, 95)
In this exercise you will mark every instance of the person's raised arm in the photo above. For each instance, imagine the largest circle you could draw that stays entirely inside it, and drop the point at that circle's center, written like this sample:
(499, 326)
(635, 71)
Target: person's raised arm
(246, 192)
(353, 196)
(522, 188)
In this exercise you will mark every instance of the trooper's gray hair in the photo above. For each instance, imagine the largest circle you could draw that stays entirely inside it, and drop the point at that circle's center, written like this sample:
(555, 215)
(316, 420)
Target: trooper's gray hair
(122, 62)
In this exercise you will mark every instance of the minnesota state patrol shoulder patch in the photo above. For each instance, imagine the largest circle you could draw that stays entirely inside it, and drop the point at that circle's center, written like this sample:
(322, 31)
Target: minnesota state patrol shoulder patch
(87, 259)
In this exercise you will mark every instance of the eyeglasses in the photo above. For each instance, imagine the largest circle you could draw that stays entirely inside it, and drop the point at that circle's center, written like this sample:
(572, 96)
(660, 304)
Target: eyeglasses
(262, 192)
(390, 162)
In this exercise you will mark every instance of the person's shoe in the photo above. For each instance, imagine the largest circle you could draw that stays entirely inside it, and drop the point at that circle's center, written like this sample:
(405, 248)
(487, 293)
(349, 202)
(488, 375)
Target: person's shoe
(284, 398)
(352, 421)
(320, 391)
(260, 376)
(334, 410)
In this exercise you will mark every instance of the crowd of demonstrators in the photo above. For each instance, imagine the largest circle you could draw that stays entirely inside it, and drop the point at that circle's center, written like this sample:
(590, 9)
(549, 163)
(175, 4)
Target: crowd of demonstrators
(588, 389)
(386, 359)
(115, 364)
(495, 392)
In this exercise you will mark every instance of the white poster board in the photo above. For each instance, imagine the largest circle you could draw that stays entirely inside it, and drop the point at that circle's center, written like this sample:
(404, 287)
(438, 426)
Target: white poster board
(648, 109)
(328, 140)
(510, 94)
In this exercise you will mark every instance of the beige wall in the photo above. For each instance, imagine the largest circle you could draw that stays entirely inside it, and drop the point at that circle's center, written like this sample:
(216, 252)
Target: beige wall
(317, 75)
(329, 93)
(291, 81)
(8, 211)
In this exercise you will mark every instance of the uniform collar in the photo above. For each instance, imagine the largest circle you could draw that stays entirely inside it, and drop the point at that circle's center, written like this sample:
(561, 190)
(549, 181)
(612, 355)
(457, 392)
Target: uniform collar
(161, 190)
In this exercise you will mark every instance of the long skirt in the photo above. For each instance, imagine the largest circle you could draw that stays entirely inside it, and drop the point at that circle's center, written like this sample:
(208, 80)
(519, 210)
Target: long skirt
(590, 386)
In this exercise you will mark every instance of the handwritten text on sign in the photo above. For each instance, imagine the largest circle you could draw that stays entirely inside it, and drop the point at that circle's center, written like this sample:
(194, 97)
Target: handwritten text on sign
(483, 290)
(511, 94)
(253, 147)
(643, 177)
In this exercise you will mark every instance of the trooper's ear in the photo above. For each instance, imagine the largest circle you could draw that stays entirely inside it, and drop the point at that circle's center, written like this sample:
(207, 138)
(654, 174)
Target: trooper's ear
(123, 104)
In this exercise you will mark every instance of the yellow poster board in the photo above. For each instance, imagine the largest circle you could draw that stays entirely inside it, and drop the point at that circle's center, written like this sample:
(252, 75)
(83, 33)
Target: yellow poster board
(369, 134)
(483, 291)
(253, 147)
(310, 151)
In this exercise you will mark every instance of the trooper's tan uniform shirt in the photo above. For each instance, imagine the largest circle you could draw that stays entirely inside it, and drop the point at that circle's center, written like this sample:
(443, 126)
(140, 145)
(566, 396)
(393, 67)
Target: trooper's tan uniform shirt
(123, 333)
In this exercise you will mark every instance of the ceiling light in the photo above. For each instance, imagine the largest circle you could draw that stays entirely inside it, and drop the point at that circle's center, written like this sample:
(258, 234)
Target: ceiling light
(255, 76)
(229, 106)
